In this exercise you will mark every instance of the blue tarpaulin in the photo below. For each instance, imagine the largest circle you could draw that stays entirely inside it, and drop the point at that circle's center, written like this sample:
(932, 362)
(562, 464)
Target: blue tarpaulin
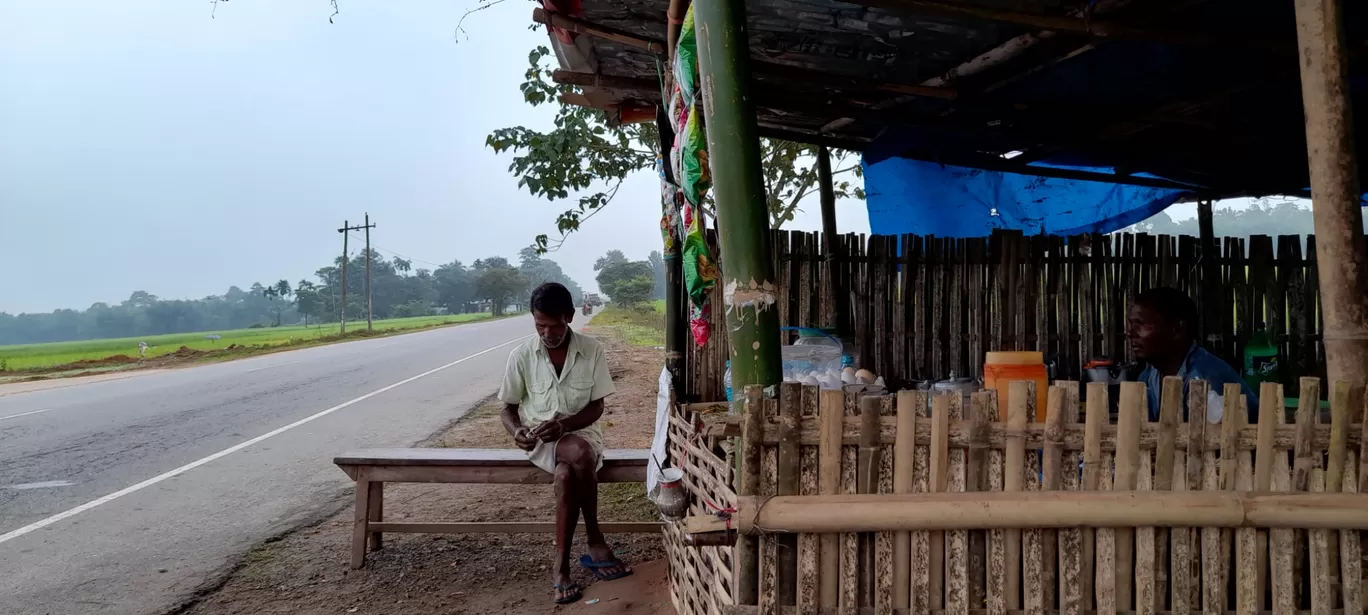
(926, 198)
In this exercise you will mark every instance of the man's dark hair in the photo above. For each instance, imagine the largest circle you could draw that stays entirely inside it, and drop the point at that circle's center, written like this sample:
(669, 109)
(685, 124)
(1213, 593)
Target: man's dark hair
(553, 299)
(1173, 305)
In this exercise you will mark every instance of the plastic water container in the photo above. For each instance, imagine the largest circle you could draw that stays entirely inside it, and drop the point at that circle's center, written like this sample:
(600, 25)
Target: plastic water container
(1001, 368)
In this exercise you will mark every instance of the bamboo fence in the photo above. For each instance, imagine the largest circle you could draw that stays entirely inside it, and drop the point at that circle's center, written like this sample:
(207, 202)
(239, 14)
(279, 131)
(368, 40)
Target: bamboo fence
(923, 307)
(921, 504)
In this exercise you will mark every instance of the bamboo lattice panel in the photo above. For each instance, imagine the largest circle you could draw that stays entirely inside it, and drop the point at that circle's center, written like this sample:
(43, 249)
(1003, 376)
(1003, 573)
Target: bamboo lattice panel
(808, 443)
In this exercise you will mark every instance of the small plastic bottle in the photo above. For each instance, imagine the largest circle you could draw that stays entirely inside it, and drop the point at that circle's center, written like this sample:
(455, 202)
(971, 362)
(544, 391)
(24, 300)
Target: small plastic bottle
(726, 381)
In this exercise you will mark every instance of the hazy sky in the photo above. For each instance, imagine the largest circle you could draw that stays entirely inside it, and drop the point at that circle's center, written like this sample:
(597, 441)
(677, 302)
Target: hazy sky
(146, 146)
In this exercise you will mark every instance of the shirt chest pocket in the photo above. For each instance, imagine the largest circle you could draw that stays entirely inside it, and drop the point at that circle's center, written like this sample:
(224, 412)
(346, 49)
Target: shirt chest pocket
(577, 390)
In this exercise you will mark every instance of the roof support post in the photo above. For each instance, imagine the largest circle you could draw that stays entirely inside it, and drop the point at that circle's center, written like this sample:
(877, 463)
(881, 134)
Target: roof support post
(1340, 252)
(1211, 274)
(749, 292)
(830, 245)
(748, 289)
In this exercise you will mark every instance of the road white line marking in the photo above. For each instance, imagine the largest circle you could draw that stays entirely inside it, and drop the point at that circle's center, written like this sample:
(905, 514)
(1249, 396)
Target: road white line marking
(271, 366)
(38, 525)
(47, 484)
(15, 416)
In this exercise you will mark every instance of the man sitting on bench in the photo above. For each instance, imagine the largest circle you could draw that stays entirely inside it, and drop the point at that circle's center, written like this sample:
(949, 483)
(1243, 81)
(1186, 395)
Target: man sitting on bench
(553, 390)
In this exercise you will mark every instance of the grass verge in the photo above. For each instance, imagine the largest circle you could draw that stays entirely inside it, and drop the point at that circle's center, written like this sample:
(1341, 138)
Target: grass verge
(92, 356)
(643, 325)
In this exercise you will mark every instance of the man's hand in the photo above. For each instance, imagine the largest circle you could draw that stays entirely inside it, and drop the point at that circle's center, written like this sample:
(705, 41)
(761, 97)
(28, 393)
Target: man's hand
(524, 439)
(550, 431)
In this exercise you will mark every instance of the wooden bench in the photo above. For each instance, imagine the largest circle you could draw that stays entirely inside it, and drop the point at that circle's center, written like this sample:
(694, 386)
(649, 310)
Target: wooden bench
(372, 468)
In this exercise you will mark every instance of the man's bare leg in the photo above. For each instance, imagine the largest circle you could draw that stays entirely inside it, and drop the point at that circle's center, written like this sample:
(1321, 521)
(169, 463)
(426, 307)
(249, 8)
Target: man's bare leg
(567, 514)
(581, 459)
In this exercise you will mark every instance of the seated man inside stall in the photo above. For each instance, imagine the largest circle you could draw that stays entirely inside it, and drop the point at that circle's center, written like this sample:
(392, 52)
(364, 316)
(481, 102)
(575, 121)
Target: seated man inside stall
(553, 390)
(1160, 330)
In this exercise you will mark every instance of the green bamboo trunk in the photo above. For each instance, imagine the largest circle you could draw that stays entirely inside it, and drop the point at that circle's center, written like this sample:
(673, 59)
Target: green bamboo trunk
(749, 292)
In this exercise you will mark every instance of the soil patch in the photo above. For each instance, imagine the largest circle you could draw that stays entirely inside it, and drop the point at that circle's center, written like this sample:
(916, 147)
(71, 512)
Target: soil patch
(306, 572)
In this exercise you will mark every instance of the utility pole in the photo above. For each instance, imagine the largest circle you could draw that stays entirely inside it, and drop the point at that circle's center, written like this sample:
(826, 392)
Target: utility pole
(345, 228)
(369, 296)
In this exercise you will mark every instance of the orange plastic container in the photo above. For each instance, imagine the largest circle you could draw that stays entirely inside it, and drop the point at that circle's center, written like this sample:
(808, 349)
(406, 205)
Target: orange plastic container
(1001, 368)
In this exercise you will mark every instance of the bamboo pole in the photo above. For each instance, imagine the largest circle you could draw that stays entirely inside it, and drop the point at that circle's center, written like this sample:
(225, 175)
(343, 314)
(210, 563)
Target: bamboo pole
(738, 190)
(1132, 409)
(1342, 260)
(902, 483)
(1019, 413)
(789, 471)
(745, 572)
(939, 512)
(829, 484)
(1094, 419)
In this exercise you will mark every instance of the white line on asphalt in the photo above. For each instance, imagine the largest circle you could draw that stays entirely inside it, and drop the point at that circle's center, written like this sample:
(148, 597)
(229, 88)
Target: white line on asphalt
(270, 366)
(15, 416)
(37, 525)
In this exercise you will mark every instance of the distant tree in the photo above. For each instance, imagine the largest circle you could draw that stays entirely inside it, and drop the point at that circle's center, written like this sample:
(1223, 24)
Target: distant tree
(455, 287)
(657, 263)
(619, 279)
(612, 257)
(633, 292)
(309, 301)
(500, 286)
(279, 294)
(402, 265)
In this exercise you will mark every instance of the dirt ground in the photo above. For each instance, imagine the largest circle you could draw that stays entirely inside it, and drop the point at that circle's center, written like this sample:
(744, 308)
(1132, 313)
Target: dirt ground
(306, 572)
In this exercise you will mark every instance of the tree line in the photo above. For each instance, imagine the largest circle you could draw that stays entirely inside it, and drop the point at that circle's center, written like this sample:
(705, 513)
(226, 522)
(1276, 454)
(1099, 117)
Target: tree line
(487, 285)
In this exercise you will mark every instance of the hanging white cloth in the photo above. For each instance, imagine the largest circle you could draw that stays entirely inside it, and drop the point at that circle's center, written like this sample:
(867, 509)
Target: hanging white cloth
(662, 430)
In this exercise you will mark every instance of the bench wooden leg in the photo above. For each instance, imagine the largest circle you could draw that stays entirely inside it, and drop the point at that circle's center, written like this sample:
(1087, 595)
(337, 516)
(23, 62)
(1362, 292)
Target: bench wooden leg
(361, 518)
(376, 513)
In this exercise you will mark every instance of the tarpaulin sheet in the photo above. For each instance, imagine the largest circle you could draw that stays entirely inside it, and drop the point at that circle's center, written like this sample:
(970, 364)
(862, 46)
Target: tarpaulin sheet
(926, 198)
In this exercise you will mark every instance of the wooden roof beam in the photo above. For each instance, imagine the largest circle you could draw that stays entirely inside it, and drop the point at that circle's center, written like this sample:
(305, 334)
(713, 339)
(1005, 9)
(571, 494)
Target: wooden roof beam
(607, 82)
(580, 26)
(1075, 25)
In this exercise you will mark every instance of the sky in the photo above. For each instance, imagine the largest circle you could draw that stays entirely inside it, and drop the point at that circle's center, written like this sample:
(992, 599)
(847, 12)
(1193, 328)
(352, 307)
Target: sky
(149, 146)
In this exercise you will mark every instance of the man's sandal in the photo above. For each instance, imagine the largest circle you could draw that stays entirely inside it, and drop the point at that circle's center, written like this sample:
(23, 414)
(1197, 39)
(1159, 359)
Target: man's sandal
(597, 568)
(570, 592)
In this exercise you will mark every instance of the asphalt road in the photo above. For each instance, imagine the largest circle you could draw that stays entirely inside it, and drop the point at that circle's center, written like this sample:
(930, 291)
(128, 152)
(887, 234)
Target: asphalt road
(128, 496)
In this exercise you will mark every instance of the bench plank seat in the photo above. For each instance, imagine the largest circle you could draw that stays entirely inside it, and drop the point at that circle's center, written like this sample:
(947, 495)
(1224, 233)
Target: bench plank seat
(372, 468)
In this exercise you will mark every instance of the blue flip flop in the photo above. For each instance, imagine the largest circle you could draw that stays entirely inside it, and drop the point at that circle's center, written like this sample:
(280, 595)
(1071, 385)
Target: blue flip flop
(596, 568)
(573, 592)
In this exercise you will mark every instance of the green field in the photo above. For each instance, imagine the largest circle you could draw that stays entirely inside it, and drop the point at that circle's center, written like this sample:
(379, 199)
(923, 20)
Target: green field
(638, 327)
(32, 356)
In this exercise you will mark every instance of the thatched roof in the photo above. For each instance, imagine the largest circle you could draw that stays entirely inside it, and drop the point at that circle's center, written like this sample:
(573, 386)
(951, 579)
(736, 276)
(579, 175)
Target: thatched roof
(1198, 91)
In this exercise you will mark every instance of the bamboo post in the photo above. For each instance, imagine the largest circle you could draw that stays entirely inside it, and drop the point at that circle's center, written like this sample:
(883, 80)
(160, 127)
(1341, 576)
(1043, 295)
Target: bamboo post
(1342, 260)
(940, 461)
(1165, 462)
(745, 572)
(1094, 420)
(983, 410)
(827, 192)
(1278, 479)
(995, 583)
(789, 471)
(1213, 558)
(903, 448)
(1350, 544)
(1014, 466)
(957, 541)
(1322, 598)
(748, 289)
(883, 541)
(1335, 458)
(921, 541)
(1197, 456)
(867, 481)
(808, 549)
(767, 552)
(829, 483)
(1249, 584)
(850, 541)
(1131, 410)
(1071, 540)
